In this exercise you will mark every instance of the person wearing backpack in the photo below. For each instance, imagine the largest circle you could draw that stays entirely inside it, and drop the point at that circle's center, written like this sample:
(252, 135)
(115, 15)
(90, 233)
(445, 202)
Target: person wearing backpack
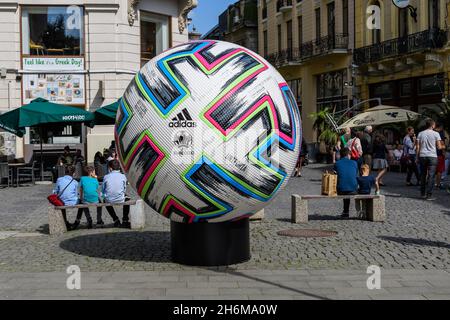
(355, 149)
(67, 189)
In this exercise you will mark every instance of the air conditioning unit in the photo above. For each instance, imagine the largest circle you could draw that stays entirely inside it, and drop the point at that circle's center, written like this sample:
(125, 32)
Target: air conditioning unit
(236, 19)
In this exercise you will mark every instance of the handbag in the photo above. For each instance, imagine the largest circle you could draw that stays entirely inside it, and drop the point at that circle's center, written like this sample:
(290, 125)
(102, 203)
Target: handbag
(329, 184)
(354, 153)
(55, 200)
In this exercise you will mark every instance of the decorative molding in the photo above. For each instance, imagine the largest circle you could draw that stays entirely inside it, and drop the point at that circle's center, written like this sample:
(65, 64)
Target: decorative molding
(102, 7)
(182, 18)
(132, 11)
(9, 6)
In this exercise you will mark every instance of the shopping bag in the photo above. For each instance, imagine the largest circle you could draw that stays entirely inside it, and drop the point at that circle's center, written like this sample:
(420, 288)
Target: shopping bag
(329, 184)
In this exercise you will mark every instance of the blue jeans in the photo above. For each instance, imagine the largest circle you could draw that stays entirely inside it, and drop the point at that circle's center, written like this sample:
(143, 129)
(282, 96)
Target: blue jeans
(427, 175)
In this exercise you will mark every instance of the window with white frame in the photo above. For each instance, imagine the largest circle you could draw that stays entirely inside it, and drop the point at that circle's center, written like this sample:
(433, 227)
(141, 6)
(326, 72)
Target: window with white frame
(154, 35)
(52, 30)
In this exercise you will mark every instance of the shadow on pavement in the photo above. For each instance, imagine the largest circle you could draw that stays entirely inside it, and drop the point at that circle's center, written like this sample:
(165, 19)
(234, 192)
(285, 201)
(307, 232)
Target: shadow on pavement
(296, 290)
(149, 246)
(44, 229)
(417, 242)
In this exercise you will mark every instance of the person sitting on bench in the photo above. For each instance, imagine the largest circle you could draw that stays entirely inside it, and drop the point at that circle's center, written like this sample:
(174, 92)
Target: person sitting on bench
(88, 194)
(67, 189)
(113, 190)
(347, 171)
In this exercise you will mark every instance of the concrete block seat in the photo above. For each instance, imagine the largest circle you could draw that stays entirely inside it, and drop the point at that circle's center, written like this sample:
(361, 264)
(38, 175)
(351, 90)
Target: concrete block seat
(57, 226)
(373, 206)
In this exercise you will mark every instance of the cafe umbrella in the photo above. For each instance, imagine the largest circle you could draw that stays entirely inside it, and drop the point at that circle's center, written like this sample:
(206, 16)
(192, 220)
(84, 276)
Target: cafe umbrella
(40, 112)
(107, 115)
(378, 115)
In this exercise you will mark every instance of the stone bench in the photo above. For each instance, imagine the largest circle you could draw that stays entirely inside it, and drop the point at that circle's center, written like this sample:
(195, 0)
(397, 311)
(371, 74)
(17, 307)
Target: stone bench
(57, 226)
(374, 205)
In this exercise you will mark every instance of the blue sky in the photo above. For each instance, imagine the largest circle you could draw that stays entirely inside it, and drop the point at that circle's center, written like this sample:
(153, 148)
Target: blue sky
(206, 15)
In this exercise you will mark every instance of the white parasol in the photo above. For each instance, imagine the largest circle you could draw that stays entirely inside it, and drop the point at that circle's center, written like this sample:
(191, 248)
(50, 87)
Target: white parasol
(380, 115)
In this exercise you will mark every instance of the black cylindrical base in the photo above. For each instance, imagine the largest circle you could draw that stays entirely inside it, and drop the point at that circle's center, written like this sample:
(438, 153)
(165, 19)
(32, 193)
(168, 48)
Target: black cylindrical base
(210, 244)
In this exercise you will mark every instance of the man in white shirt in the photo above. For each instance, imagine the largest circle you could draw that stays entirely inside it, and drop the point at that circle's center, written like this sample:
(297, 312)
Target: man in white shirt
(427, 144)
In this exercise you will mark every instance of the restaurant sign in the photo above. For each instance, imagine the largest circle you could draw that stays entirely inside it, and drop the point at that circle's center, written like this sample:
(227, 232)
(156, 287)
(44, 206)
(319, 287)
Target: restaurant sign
(53, 64)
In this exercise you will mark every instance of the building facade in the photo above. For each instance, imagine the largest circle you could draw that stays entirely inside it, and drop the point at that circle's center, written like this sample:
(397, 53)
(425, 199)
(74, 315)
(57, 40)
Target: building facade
(310, 42)
(406, 61)
(238, 24)
(81, 53)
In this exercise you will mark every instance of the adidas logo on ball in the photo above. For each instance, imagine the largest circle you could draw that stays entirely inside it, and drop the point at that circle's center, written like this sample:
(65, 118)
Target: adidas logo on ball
(182, 120)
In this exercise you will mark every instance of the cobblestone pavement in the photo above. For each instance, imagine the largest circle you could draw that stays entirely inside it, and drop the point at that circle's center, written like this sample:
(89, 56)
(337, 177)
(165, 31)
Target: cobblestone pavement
(203, 284)
(415, 238)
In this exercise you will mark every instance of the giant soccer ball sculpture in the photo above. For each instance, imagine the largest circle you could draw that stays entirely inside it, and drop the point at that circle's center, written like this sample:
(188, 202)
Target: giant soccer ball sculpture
(208, 131)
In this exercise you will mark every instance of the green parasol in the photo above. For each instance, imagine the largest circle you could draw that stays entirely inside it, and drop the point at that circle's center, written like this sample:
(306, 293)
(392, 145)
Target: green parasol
(40, 112)
(107, 115)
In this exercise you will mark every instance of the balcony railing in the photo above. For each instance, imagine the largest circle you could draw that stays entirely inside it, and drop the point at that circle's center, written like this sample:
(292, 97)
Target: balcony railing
(284, 5)
(425, 40)
(307, 50)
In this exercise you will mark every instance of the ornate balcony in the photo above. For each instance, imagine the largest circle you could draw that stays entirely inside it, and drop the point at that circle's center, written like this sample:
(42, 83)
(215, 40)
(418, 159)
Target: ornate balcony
(284, 5)
(417, 42)
(310, 49)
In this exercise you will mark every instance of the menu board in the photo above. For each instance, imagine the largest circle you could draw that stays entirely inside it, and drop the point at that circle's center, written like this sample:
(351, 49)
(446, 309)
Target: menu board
(58, 88)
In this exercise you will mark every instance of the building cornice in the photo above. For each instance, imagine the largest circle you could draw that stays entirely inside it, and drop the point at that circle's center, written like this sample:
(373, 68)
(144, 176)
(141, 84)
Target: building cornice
(102, 7)
(8, 6)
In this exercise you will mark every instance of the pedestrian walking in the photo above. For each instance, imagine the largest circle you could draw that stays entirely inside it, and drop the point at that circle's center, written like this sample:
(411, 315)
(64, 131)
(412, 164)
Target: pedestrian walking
(379, 158)
(427, 144)
(409, 155)
(367, 145)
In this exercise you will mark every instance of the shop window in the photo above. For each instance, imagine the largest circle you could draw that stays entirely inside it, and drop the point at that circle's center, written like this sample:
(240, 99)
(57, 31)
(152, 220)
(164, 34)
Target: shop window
(405, 89)
(431, 85)
(383, 91)
(52, 30)
(296, 88)
(154, 35)
(56, 134)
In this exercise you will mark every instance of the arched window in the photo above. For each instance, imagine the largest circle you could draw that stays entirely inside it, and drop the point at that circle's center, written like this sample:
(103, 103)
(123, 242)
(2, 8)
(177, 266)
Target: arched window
(433, 14)
(403, 22)
(376, 33)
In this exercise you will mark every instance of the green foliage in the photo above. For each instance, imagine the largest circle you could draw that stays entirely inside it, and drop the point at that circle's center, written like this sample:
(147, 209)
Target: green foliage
(325, 132)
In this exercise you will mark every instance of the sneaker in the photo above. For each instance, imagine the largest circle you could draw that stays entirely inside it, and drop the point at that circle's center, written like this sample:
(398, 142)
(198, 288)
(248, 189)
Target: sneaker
(75, 225)
(100, 224)
(126, 225)
(409, 184)
(430, 198)
(89, 225)
(117, 223)
(345, 215)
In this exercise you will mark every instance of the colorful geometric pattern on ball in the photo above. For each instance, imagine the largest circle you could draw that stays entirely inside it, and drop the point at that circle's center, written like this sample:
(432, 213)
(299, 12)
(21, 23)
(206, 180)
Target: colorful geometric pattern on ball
(248, 94)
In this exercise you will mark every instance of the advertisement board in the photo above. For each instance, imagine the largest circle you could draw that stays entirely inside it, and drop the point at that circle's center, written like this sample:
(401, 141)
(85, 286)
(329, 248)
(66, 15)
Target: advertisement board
(63, 88)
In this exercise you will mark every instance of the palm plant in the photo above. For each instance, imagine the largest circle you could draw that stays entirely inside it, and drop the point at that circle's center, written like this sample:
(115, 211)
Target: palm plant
(325, 133)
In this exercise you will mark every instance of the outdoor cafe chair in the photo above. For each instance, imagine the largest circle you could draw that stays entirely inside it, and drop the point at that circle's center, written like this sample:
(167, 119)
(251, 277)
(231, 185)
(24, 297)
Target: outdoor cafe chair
(5, 173)
(27, 172)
